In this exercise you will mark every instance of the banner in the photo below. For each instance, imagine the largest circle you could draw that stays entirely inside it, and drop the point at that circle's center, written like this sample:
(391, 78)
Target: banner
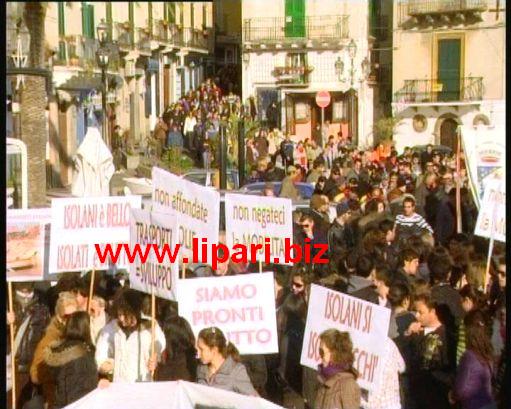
(197, 210)
(491, 220)
(485, 155)
(242, 306)
(153, 276)
(259, 220)
(167, 395)
(27, 241)
(367, 324)
(77, 224)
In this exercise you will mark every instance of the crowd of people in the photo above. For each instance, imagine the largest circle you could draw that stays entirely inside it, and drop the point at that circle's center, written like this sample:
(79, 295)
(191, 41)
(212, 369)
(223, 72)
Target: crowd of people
(393, 241)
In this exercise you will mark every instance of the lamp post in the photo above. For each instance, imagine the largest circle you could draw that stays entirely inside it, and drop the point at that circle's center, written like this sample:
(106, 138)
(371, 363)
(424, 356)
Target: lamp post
(103, 58)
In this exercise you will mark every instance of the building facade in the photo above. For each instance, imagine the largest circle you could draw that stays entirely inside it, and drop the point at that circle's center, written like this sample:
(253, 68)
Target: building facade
(295, 48)
(448, 68)
(158, 52)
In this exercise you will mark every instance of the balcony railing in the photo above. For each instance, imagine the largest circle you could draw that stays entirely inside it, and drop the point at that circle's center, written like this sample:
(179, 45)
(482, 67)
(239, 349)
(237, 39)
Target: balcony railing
(292, 75)
(417, 7)
(277, 29)
(435, 90)
(427, 13)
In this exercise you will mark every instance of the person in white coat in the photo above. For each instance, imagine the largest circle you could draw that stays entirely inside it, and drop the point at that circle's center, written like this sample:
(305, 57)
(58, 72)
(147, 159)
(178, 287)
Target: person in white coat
(387, 393)
(123, 349)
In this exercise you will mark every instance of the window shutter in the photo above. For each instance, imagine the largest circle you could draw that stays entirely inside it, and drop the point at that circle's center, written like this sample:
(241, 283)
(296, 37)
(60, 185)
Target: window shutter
(85, 20)
(91, 21)
(62, 26)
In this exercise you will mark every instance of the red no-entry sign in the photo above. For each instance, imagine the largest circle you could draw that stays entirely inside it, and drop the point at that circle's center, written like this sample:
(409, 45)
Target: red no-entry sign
(323, 99)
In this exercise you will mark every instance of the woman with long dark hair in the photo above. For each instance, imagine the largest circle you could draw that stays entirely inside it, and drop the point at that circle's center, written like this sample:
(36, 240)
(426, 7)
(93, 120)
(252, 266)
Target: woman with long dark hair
(72, 361)
(220, 363)
(473, 387)
(338, 387)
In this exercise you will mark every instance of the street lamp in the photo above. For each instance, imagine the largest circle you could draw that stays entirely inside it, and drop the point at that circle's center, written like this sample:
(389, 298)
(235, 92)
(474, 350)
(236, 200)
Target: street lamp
(103, 58)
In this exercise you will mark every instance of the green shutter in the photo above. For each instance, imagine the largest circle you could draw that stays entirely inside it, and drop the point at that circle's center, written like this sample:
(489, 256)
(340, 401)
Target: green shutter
(182, 14)
(85, 19)
(150, 14)
(295, 18)
(132, 25)
(91, 21)
(109, 19)
(62, 25)
(449, 64)
(171, 10)
(204, 15)
(192, 15)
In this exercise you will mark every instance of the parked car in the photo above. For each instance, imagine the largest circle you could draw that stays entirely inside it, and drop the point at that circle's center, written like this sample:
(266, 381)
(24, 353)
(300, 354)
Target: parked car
(205, 177)
(306, 189)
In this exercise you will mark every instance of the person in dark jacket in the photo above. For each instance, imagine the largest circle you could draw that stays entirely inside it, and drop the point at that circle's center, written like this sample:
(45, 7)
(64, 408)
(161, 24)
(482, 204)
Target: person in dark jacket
(340, 234)
(432, 368)
(332, 184)
(361, 284)
(220, 363)
(178, 360)
(473, 384)
(31, 316)
(72, 362)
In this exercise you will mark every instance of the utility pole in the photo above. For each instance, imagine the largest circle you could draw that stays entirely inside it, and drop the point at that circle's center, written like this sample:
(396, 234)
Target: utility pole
(241, 151)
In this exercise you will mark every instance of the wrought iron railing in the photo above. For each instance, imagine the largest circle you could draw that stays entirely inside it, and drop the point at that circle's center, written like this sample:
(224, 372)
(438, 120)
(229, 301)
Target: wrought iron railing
(416, 7)
(281, 29)
(292, 75)
(435, 90)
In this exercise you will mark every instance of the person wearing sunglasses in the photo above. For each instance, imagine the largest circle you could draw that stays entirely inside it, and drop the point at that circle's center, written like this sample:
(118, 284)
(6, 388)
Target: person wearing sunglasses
(338, 386)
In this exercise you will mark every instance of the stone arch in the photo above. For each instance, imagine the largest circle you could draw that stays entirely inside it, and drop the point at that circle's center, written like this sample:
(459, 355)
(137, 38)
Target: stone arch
(440, 120)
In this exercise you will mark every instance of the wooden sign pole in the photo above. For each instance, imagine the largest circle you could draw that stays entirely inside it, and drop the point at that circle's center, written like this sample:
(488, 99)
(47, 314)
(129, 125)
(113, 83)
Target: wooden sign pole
(153, 327)
(13, 352)
(91, 289)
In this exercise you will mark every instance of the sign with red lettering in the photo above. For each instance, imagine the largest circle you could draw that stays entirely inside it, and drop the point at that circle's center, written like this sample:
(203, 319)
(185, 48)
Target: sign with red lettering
(78, 224)
(27, 239)
(197, 211)
(152, 237)
(242, 306)
(367, 323)
(255, 222)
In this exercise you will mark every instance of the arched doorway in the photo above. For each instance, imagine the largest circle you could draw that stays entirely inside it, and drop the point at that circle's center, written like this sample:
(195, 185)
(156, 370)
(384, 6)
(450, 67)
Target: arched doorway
(448, 133)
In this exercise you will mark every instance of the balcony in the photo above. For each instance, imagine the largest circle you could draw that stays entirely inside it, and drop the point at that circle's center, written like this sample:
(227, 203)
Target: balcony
(76, 51)
(439, 92)
(195, 38)
(292, 76)
(285, 30)
(440, 13)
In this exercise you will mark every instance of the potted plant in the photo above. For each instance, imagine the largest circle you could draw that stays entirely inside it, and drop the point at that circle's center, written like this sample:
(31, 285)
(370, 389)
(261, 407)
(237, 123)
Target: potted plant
(74, 60)
(383, 130)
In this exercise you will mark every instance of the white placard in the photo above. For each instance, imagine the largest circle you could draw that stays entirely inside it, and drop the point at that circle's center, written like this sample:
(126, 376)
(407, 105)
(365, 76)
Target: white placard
(253, 219)
(492, 213)
(367, 324)
(27, 237)
(242, 306)
(197, 210)
(77, 224)
(153, 275)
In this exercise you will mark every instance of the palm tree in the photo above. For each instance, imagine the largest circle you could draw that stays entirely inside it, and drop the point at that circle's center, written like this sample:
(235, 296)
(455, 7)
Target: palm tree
(33, 106)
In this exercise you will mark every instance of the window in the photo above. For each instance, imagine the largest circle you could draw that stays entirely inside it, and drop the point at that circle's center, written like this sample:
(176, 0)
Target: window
(88, 20)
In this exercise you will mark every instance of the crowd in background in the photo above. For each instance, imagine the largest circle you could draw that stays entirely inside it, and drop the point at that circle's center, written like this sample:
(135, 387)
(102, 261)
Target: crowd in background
(390, 222)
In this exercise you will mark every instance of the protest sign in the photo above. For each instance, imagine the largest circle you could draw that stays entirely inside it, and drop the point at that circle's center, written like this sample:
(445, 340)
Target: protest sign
(242, 306)
(491, 220)
(77, 224)
(485, 155)
(27, 242)
(254, 219)
(197, 210)
(367, 324)
(153, 276)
